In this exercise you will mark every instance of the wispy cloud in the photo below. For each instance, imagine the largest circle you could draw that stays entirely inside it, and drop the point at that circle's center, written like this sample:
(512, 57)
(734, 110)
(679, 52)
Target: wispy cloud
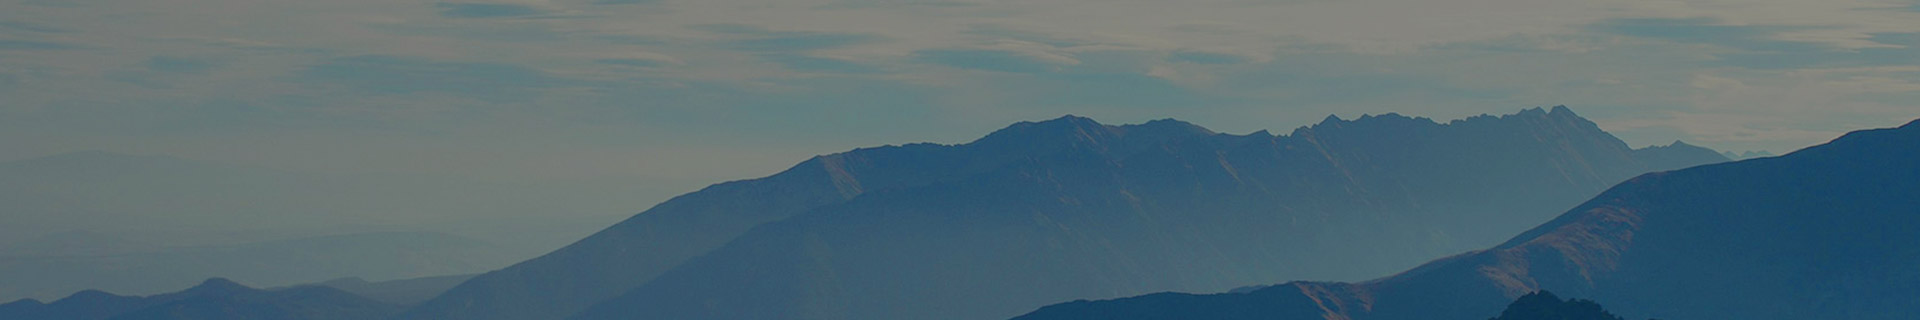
(390, 75)
(31, 27)
(757, 38)
(631, 62)
(805, 63)
(994, 60)
(181, 64)
(485, 10)
(1203, 57)
(1712, 32)
(952, 68)
(37, 45)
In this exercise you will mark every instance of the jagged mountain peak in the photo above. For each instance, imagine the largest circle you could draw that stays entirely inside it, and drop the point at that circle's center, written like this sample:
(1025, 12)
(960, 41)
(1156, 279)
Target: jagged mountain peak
(1676, 144)
(1562, 111)
(1330, 120)
(1064, 121)
(1032, 130)
(1559, 112)
(1072, 132)
(1168, 126)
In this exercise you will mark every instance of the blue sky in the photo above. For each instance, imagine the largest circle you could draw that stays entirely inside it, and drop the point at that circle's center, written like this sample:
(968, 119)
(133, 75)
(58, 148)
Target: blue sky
(685, 93)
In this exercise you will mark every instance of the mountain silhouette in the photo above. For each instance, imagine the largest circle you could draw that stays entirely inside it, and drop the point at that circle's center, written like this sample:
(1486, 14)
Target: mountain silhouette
(1826, 232)
(1066, 208)
(405, 292)
(213, 299)
(147, 224)
(1544, 305)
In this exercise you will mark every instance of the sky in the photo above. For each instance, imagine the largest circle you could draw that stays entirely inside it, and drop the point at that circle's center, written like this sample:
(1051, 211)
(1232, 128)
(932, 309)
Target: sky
(680, 93)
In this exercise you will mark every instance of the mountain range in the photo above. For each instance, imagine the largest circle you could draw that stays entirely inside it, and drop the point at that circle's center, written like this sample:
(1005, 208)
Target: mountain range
(213, 299)
(1070, 208)
(146, 224)
(1826, 232)
(379, 255)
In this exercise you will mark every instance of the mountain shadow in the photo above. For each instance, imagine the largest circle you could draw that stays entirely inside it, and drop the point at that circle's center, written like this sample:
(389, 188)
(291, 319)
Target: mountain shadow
(1826, 232)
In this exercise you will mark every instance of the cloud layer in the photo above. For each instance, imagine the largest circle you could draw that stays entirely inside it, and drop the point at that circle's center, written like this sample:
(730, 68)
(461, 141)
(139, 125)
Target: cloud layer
(770, 82)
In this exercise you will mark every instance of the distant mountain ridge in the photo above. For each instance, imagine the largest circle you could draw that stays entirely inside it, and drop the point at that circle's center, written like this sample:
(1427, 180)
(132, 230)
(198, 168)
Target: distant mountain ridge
(633, 251)
(214, 299)
(1826, 232)
(404, 292)
(1053, 210)
(379, 255)
(145, 224)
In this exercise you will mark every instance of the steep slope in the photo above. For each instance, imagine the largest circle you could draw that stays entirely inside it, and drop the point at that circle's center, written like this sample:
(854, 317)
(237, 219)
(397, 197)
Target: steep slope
(213, 299)
(1102, 218)
(636, 250)
(1822, 233)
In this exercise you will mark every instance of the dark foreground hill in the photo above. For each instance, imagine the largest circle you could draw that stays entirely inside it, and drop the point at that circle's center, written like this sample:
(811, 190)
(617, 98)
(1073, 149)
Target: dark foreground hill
(1070, 208)
(1544, 305)
(1827, 232)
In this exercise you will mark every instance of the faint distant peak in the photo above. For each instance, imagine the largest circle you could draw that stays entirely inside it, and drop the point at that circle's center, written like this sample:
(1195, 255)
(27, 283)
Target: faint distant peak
(1675, 144)
(89, 295)
(1066, 122)
(1330, 120)
(1531, 112)
(217, 286)
(1390, 119)
(24, 302)
(1168, 126)
(1557, 118)
(1072, 130)
(1749, 154)
(1562, 110)
(347, 281)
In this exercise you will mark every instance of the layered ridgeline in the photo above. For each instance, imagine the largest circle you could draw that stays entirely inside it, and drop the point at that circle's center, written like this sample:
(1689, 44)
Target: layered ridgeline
(214, 299)
(142, 224)
(1827, 232)
(1070, 208)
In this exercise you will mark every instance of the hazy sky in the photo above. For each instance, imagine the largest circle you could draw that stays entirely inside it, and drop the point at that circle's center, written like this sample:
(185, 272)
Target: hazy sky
(693, 92)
